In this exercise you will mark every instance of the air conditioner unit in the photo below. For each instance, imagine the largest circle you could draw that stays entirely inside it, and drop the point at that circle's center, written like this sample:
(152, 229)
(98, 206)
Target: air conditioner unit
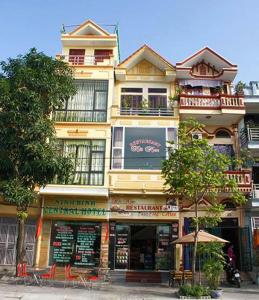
(197, 136)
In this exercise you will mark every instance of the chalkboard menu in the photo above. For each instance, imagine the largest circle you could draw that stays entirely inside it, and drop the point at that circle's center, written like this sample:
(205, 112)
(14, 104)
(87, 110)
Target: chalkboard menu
(122, 246)
(75, 243)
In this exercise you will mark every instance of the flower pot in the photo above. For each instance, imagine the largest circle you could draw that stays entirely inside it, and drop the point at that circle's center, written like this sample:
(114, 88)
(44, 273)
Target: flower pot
(216, 294)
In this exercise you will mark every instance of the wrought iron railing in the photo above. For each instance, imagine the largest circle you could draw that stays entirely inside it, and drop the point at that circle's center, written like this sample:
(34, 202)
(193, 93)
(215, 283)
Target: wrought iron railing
(87, 60)
(147, 111)
(80, 116)
(249, 135)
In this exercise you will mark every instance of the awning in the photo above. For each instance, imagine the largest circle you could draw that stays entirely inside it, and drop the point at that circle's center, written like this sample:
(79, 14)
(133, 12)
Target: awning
(69, 190)
(200, 82)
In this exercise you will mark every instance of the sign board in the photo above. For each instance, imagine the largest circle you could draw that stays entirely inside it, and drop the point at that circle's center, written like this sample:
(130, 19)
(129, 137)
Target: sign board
(75, 208)
(144, 148)
(75, 243)
(144, 208)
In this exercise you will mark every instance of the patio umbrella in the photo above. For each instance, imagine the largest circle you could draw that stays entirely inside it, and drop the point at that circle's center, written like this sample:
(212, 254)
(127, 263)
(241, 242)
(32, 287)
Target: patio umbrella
(203, 237)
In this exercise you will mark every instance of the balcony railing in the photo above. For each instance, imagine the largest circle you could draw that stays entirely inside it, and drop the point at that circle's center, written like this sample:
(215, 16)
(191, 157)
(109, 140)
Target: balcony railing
(256, 191)
(80, 116)
(242, 178)
(147, 111)
(211, 102)
(87, 60)
(249, 135)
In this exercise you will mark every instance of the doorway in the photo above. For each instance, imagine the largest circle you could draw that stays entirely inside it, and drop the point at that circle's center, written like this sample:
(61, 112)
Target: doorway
(143, 247)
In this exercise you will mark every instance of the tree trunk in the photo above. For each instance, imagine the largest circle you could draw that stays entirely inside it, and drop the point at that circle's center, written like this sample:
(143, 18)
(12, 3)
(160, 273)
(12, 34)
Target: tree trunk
(20, 250)
(194, 253)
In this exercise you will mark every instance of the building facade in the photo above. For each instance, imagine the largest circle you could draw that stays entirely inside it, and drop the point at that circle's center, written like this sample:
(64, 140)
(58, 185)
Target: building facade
(114, 212)
(249, 140)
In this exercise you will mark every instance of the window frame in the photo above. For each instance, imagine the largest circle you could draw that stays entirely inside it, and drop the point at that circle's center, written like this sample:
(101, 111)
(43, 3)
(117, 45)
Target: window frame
(75, 160)
(167, 146)
(93, 111)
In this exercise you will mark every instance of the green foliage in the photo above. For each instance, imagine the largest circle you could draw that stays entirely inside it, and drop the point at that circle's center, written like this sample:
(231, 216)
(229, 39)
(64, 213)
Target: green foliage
(31, 87)
(194, 290)
(193, 171)
(214, 266)
(239, 87)
(213, 269)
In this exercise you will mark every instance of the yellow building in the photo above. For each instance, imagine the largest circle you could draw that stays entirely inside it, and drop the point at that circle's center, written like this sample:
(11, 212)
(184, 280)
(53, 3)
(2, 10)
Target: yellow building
(114, 212)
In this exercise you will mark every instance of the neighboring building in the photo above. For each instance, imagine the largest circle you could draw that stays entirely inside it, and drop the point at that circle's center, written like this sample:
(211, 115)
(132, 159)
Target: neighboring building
(83, 126)
(204, 81)
(249, 140)
(113, 211)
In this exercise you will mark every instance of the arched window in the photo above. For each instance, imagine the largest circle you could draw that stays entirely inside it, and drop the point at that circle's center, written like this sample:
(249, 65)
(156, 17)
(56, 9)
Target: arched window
(223, 134)
(229, 204)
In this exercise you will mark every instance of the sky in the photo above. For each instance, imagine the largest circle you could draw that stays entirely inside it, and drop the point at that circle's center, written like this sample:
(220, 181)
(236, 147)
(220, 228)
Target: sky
(174, 28)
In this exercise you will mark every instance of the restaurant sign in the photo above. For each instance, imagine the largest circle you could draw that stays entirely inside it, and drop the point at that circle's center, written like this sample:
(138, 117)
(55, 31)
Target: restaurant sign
(145, 148)
(142, 209)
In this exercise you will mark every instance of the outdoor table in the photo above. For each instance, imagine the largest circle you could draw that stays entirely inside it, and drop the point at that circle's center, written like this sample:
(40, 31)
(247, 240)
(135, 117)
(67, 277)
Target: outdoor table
(36, 272)
(83, 276)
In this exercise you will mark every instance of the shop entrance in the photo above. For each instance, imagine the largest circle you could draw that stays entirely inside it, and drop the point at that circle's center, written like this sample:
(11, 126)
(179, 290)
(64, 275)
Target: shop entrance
(142, 247)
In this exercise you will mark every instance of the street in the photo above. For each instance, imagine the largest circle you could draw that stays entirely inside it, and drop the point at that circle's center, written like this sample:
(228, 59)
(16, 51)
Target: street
(112, 292)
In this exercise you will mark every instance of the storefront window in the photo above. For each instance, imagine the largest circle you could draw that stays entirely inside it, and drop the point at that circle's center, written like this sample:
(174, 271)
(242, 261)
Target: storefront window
(162, 254)
(122, 247)
(75, 243)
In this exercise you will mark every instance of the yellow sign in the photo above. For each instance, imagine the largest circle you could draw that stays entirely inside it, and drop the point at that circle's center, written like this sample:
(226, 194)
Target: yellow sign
(75, 208)
(147, 208)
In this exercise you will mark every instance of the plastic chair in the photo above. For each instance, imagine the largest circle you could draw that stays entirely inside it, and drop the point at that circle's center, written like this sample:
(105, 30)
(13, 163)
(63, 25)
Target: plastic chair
(49, 275)
(69, 277)
(22, 272)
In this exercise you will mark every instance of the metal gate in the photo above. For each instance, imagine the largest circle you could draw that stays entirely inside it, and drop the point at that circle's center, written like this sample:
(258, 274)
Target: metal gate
(8, 238)
(245, 249)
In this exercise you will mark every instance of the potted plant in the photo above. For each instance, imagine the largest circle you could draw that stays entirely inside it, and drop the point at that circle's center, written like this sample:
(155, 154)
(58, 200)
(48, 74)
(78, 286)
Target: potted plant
(239, 88)
(213, 270)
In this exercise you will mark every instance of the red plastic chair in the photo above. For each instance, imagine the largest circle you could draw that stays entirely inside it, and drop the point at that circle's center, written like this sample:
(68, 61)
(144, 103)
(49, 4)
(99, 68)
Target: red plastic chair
(69, 277)
(49, 275)
(22, 272)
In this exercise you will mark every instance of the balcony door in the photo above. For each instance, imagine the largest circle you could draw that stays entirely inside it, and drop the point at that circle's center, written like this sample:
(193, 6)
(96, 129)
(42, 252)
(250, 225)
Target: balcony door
(76, 56)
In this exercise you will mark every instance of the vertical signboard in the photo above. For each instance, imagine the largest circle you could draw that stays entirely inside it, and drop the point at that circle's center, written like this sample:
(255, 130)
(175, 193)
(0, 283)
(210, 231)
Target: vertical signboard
(75, 243)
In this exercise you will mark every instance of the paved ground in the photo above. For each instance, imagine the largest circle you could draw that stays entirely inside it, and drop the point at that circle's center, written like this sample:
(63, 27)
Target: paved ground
(112, 292)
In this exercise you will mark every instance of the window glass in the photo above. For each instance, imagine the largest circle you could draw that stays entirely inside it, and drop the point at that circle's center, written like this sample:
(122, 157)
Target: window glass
(88, 160)
(88, 105)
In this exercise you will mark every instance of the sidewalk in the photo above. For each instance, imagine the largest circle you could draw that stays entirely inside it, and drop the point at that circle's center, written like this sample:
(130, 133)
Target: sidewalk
(111, 292)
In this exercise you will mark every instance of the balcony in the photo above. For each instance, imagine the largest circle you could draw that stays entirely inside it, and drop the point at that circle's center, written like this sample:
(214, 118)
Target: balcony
(211, 102)
(146, 112)
(208, 108)
(243, 179)
(87, 60)
(249, 137)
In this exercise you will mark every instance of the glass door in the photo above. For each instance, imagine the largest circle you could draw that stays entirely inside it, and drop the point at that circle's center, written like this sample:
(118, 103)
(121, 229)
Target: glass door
(122, 246)
(163, 247)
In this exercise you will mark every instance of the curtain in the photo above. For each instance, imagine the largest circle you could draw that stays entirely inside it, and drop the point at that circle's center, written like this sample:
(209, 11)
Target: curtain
(200, 82)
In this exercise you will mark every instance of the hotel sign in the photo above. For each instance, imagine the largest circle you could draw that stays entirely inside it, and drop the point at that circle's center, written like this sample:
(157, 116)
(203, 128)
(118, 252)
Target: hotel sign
(75, 208)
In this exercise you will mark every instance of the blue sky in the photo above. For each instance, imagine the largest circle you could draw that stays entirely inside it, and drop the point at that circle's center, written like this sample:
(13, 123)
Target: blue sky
(174, 28)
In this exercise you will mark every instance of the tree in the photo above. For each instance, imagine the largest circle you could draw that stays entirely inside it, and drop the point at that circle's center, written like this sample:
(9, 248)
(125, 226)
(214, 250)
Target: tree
(195, 170)
(31, 88)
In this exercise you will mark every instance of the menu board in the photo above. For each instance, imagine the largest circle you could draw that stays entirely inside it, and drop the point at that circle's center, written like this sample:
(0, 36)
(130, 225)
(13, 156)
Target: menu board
(75, 243)
(63, 244)
(122, 246)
